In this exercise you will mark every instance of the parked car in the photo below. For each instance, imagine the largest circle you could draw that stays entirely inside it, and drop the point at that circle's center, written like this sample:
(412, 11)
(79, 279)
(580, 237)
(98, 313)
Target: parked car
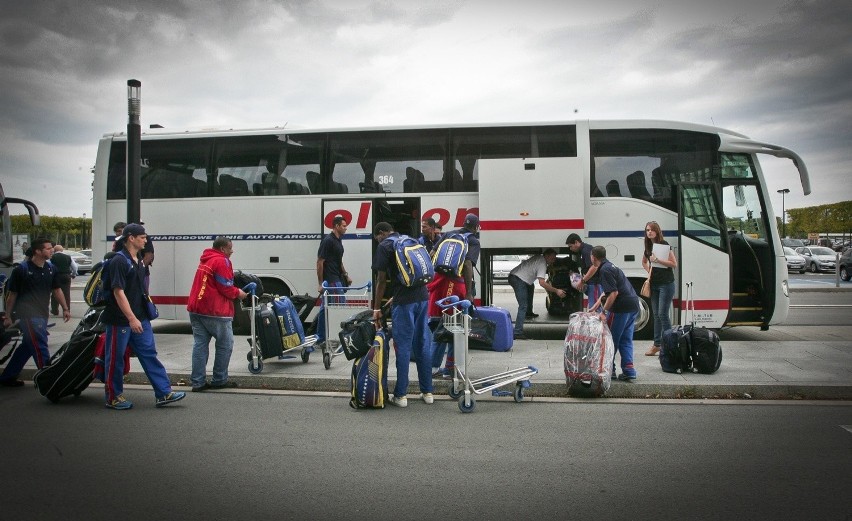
(87, 253)
(84, 262)
(502, 265)
(793, 243)
(818, 258)
(795, 262)
(846, 264)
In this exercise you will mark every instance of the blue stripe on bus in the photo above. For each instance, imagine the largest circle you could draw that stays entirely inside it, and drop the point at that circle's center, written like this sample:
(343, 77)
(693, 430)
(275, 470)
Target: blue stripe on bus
(630, 234)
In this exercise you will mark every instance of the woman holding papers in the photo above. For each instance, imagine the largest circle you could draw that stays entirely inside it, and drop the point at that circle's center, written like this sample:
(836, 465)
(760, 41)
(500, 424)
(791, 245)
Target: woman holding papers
(659, 261)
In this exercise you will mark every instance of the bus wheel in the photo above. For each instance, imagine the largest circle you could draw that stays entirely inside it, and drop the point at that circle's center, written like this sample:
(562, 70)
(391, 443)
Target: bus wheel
(644, 328)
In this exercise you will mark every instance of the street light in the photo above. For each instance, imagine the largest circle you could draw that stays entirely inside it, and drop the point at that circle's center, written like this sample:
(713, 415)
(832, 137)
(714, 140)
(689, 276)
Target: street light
(783, 192)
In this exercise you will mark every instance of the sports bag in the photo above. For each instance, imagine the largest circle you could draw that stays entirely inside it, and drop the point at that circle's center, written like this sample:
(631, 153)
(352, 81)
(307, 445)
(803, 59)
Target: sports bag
(369, 382)
(357, 334)
(413, 262)
(450, 254)
(292, 332)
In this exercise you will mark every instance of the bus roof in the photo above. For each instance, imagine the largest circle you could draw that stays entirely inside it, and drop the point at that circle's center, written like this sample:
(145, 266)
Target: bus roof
(593, 124)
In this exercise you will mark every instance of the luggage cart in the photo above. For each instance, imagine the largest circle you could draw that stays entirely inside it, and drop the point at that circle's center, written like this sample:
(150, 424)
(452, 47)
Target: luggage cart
(338, 306)
(456, 320)
(255, 353)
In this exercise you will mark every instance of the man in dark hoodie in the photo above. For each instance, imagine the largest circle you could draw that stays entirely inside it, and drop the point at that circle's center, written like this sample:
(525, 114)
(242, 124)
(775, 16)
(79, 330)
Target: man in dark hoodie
(211, 313)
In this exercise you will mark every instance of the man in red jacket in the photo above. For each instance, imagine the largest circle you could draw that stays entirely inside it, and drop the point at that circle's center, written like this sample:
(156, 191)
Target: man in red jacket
(211, 313)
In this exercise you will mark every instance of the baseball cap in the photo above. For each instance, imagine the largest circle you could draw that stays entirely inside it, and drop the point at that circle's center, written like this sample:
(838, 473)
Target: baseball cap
(133, 229)
(471, 220)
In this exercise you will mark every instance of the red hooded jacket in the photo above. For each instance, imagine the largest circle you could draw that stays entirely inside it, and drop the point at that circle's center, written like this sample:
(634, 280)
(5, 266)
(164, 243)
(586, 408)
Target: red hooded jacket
(213, 289)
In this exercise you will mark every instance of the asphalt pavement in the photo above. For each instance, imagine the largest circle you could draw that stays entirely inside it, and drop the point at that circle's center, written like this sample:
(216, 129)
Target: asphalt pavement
(786, 362)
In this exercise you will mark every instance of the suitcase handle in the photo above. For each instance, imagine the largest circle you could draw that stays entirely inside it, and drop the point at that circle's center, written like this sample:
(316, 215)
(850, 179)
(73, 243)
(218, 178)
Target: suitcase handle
(690, 304)
(325, 286)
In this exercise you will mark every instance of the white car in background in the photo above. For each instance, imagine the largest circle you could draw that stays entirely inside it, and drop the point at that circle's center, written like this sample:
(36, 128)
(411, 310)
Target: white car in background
(818, 258)
(501, 265)
(795, 262)
(84, 262)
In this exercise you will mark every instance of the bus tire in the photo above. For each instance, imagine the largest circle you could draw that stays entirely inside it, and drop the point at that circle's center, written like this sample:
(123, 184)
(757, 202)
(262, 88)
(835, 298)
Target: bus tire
(644, 329)
(242, 325)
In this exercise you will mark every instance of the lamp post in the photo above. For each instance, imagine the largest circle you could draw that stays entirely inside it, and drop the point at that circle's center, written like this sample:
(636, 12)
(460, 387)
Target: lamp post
(783, 192)
(134, 150)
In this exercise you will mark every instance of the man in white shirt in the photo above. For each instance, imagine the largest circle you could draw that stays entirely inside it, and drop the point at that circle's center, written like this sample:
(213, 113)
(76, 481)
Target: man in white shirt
(522, 278)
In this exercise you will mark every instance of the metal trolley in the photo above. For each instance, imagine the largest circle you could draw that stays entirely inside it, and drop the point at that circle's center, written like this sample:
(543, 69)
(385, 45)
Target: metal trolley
(338, 305)
(456, 320)
(255, 354)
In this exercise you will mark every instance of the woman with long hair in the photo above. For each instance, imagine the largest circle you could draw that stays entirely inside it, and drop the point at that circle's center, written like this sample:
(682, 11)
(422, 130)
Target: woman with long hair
(661, 271)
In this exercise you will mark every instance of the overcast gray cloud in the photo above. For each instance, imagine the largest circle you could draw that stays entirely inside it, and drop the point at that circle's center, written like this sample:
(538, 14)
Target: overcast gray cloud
(776, 70)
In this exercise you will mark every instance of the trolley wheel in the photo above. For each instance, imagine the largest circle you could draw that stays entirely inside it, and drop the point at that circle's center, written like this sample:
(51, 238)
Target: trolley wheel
(256, 370)
(248, 355)
(454, 395)
(326, 360)
(306, 355)
(77, 393)
(519, 393)
(464, 407)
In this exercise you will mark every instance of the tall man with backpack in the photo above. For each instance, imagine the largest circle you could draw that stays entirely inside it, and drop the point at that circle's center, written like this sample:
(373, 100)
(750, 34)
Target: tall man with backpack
(408, 314)
(128, 320)
(455, 259)
(28, 297)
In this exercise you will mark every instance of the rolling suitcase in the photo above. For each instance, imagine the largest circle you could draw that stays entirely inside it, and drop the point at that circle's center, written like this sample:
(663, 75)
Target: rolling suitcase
(268, 333)
(369, 381)
(706, 351)
(71, 368)
(675, 350)
(292, 331)
(503, 337)
(589, 353)
(690, 348)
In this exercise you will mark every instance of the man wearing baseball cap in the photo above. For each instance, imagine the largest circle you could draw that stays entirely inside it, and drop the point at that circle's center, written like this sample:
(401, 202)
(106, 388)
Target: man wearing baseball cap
(129, 324)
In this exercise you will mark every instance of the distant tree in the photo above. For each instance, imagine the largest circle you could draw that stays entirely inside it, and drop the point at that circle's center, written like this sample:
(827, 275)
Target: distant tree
(826, 218)
(72, 232)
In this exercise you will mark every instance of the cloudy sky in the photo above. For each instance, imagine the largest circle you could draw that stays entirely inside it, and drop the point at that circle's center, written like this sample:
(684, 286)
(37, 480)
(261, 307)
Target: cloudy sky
(778, 71)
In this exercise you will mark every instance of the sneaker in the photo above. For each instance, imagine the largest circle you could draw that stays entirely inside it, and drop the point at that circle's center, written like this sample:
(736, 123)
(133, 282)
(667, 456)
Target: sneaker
(443, 374)
(227, 385)
(399, 402)
(626, 378)
(520, 336)
(119, 403)
(201, 388)
(531, 315)
(172, 397)
(427, 398)
(12, 383)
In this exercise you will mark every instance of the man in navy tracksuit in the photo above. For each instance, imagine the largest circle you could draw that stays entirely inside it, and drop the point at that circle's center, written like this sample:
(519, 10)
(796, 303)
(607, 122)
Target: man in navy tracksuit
(29, 289)
(128, 324)
(409, 315)
(622, 304)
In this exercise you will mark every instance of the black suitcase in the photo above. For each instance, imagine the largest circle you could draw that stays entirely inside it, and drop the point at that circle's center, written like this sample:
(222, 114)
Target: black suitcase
(675, 350)
(71, 369)
(268, 333)
(706, 352)
(559, 275)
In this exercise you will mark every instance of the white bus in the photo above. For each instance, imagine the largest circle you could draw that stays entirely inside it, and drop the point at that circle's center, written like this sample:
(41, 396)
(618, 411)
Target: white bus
(275, 191)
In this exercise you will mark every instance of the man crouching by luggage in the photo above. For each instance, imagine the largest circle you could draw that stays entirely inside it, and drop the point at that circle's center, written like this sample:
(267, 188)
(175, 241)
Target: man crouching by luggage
(211, 313)
(128, 324)
(409, 314)
(622, 304)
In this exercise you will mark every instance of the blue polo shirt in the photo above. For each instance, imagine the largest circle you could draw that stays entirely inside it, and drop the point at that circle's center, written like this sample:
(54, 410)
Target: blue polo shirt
(613, 279)
(32, 286)
(129, 276)
(331, 251)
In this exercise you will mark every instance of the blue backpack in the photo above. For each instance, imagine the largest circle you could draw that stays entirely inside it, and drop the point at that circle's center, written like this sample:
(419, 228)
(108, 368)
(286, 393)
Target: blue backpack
(292, 331)
(450, 254)
(97, 288)
(413, 262)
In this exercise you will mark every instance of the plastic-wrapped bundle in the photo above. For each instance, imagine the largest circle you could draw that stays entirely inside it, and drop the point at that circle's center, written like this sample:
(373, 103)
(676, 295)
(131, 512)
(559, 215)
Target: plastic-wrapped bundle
(589, 352)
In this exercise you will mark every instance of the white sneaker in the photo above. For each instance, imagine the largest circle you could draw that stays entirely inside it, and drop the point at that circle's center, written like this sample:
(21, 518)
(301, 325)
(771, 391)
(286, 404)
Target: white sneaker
(399, 402)
(427, 398)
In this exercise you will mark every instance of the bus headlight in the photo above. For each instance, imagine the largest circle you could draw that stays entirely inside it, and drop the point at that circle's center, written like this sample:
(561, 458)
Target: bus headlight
(786, 288)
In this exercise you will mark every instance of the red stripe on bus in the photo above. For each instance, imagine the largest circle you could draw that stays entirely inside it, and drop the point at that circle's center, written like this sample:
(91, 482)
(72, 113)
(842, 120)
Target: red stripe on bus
(169, 301)
(540, 224)
(704, 305)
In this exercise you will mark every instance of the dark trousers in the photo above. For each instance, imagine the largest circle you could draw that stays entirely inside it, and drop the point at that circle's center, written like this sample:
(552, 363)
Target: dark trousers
(65, 286)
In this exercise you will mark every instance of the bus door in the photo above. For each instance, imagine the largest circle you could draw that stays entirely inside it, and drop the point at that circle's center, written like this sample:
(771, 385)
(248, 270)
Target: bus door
(703, 260)
(362, 215)
(532, 202)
